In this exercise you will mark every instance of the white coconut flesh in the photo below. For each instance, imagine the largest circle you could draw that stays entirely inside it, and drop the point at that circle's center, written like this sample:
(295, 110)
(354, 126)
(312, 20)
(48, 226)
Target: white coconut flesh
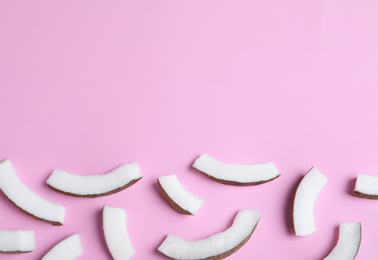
(305, 196)
(349, 242)
(116, 234)
(233, 172)
(29, 201)
(87, 185)
(367, 184)
(67, 249)
(16, 241)
(242, 227)
(179, 194)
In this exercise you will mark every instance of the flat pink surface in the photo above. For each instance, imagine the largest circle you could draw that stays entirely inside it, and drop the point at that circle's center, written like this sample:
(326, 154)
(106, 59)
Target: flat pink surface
(89, 85)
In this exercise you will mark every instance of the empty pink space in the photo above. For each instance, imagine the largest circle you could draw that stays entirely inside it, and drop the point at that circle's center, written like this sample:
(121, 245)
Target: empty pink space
(89, 85)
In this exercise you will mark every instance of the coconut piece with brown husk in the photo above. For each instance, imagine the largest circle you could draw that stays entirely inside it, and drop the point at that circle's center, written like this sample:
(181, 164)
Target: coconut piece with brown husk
(26, 200)
(67, 249)
(366, 186)
(177, 196)
(349, 242)
(305, 196)
(236, 174)
(16, 241)
(218, 246)
(91, 186)
(116, 234)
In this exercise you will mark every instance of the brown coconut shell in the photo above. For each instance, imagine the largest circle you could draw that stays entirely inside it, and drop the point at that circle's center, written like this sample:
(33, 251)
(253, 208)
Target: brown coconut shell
(171, 202)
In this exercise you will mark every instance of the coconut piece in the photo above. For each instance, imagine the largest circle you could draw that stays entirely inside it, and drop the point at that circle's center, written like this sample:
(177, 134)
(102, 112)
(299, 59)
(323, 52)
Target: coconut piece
(26, 200)
(177, 196)
(91, 186)
(366, 186)
(305, 196)
(349, 242)
(16, 241)
(67, 249)
(115, 232)
(236, 174)
(216, 247)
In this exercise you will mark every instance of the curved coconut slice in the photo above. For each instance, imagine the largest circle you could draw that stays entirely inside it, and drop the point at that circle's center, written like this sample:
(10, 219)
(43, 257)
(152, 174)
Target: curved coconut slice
(91, 186)
(236, 174)
(115, 232)
(303, 209)
(218, 246)
(16, 241)
(177, 196)
(67, 249)
(26, 200)
(366, 186)
(349, 242)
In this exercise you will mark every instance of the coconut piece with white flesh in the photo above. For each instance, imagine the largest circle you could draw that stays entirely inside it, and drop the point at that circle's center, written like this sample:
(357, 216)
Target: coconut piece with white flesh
(349, 242)
(366, 186)
(218, 246)
(67, 249)
(116, 234)
(177, 196)
(26, 200)
(16, 241)
(92, 186)
(305, 196)
(236, 174)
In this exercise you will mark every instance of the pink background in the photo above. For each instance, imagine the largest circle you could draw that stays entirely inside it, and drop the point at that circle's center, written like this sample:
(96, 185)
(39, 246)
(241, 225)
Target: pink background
(89, 85)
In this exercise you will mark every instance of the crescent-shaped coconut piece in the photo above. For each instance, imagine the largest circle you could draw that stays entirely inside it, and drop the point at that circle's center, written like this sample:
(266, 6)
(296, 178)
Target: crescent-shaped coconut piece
(91, 186)
(115, 232)
(236, 174)
(16, 241)
(218, 246)
(305, 196)
(26, 200)
(349, 242)
(177, 196)
(366, 186)
(67, 249)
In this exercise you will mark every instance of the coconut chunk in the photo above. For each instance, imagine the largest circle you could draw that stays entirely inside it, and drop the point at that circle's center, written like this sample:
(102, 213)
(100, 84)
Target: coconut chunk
(26, 200)
(177, 196)
(216, 247)
(92, 186)
(16, 241)
(305, 196)
(67, 249)
(116, 234)
(236, 174)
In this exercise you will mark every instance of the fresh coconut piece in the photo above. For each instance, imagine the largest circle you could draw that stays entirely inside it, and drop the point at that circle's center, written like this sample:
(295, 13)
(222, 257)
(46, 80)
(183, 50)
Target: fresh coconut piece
(177, 196)
(16, 241)
(366, 186)
(67, 249)
(236, 174)
(26, 200)
(349, 242)
(115, 232)
(303, 208)
(216, 247)
(92, 186)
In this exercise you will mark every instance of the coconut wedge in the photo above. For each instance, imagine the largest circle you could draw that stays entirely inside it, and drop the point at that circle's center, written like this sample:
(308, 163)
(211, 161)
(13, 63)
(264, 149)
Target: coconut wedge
(349, 242)
(305, 196)
(216, 247)
(16, 241)
(115, 232)
(366, 186)
(236, 174)
(177, 196)
(26, 200)
(67, 249)
(91, 186)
